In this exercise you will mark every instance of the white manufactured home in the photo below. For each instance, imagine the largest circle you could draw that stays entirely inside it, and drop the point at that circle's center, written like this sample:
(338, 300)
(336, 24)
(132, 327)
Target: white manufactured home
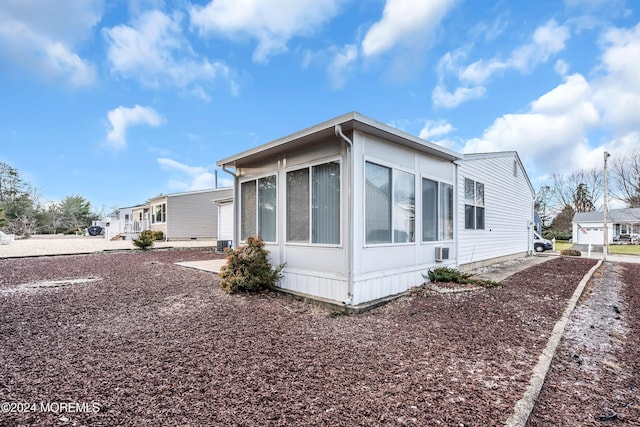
(359, 211)
(127, 222)
(187, 215)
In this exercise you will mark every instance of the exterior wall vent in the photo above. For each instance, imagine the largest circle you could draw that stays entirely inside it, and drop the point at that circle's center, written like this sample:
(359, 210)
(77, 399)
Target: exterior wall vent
(441, 253)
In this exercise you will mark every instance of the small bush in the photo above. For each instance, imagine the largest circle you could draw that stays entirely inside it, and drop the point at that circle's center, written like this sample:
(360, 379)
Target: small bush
(570, 252)
(158, 235)
(451, 275)
(447, 274)
(248, 269)
(145, 240)
(558, 235)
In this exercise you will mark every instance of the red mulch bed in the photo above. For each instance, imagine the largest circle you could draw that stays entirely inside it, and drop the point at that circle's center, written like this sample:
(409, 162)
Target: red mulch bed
(594, 378)
(153, 343)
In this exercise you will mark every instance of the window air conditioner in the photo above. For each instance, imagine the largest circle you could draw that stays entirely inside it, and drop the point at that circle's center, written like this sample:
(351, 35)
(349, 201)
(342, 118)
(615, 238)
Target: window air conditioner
(441, 253)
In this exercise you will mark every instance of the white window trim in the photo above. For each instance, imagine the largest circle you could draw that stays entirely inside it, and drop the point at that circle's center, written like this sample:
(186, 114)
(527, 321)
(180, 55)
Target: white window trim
(309, 165)
(392, 166)
(484, 206)
(438, 181)
(153, 216)
(256, 178)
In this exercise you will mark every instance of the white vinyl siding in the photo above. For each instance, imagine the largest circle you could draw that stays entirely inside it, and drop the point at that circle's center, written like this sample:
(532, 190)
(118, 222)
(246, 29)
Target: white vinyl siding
(508, 209)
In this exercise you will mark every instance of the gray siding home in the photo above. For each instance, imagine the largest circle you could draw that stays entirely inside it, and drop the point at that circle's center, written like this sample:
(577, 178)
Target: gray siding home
(359, 210)
(188, 215)
(623, 225)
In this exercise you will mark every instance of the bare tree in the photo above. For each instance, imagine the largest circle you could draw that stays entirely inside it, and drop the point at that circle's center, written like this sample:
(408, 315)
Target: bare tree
(626, 175)
(581, 190)
(542, 204)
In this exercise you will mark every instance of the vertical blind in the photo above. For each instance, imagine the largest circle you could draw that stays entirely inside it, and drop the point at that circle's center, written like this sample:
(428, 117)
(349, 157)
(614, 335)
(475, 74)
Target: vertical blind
(298, 205)
(325, 207)
(248, 208)
(267, 208)
(377, 203)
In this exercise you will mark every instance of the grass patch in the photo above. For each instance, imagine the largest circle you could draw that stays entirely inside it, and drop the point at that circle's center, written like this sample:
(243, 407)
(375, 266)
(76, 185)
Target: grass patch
(563, 244)
(624, 249)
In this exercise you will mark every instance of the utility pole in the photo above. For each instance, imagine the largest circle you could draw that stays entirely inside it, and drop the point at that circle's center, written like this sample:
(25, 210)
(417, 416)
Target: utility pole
(605, 243)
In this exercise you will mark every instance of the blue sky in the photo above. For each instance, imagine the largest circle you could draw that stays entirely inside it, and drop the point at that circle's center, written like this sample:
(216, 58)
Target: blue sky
(121, 101)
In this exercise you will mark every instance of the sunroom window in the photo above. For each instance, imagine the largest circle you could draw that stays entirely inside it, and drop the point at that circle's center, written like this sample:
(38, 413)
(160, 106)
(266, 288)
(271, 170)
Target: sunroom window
(313, 204)
(437, 211)
(389, 205)
(258, 208)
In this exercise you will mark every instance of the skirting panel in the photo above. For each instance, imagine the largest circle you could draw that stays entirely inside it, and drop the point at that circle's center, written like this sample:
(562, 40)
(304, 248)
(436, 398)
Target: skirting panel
(315, 285)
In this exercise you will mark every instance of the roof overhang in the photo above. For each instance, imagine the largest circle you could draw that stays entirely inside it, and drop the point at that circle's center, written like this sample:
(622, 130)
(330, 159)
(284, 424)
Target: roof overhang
(325, 130)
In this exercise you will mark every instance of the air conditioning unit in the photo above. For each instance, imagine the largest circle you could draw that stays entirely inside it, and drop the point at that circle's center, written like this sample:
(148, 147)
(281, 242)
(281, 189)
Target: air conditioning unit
(441, 253)
(223, 244)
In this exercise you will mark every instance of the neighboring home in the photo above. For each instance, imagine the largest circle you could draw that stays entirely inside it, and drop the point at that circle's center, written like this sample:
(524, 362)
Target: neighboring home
(126, 223)
(622, 225)
(360, 211)
(189, 215)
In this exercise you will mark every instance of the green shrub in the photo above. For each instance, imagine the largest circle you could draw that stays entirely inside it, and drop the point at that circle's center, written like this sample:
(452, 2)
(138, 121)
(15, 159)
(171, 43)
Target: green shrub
(158, 235)
(145, 240)
(570, 252)
(248, 268)
(451, 275)
(558, 235)
(447, 274)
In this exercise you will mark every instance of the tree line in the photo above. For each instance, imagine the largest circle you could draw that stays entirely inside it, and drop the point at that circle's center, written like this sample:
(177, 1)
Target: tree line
(23, 212)
(583, 190)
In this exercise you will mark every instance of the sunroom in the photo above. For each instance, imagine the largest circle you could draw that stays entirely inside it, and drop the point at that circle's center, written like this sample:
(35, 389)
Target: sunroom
(356, 209)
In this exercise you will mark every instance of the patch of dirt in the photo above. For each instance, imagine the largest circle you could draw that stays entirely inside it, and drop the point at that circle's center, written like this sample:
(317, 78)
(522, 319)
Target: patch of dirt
(594, 377)
(154, 343)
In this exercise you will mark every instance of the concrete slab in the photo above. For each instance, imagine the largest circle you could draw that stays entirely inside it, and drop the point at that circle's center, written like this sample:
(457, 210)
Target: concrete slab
(212, 266)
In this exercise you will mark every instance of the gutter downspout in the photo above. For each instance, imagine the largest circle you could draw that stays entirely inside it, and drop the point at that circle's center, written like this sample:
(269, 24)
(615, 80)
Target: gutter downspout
(350, 251)
(236, 190)
(456, 226)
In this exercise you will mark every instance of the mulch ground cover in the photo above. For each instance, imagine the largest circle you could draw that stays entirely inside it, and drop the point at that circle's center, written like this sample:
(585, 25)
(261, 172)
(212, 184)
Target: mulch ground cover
(594, 378)
(142, 341)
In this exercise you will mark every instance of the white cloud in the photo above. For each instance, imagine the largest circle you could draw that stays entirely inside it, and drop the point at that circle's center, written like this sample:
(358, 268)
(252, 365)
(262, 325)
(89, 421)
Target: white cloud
(40, 36)
(122, 118)
(617, 90)
(271, 22)
(552, 134)
(341, 65)
(154, 51)
(436, 128)
(405, 22)
(190, 178)
(546, 41)
(441, 97)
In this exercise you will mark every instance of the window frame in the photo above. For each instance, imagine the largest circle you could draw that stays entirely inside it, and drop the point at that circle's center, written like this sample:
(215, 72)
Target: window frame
(255, 179)
(440, 230)
(475, 206)
(163, 213)
(392, 168)
(309, 167)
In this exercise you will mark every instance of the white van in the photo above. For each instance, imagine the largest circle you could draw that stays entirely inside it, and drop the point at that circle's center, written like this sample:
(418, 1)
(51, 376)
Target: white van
(540, 244)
